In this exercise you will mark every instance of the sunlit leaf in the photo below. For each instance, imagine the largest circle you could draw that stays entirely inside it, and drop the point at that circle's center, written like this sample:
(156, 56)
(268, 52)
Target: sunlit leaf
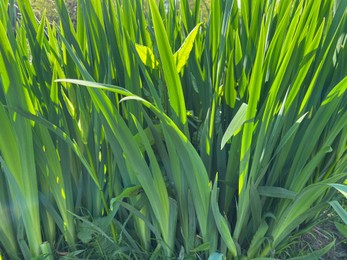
(182, 55)
(147, 56)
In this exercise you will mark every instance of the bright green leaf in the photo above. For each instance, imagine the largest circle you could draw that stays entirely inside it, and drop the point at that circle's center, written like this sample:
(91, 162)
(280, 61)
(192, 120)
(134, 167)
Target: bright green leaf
(147, 56)
(182, 55)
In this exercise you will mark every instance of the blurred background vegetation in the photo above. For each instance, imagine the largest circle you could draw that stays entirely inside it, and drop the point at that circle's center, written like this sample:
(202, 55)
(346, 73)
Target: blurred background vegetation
(51, 12)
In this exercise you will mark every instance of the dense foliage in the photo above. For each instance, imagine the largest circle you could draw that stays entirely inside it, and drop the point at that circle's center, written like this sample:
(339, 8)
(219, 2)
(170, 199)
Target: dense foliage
(138, 134)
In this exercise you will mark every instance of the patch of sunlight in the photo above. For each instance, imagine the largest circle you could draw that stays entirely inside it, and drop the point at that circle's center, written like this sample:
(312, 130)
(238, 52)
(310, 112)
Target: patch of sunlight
(63, 194)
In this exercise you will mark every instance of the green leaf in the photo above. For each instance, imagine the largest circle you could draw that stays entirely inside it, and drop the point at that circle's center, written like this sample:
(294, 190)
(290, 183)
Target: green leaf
(147, 56)
(276, 192)
(221, 222)
(127, 192)
(339, 210)
(236, 123)
(61, 134)
(200, 248)
(341, 188)
(342, 229)
(174, 87)
(182, 55)
(257, 240)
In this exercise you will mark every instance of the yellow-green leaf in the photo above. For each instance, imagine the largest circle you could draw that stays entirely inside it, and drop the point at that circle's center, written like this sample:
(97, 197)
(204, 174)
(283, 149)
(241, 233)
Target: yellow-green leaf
(147, 56)
(182, 55)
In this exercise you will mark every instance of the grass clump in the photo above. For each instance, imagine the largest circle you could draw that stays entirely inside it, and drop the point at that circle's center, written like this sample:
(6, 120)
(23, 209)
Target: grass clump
(134, 134)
